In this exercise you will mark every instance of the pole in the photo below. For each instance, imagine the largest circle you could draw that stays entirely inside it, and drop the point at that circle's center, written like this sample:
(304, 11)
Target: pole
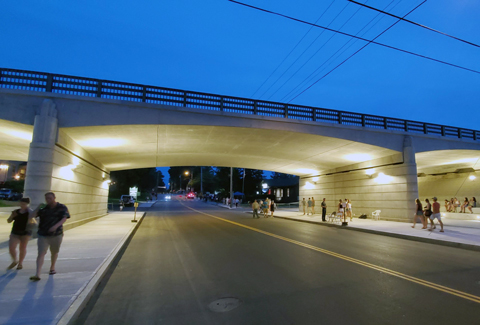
(179, 182)
(231, 186)
(201, 180)
(243, 184)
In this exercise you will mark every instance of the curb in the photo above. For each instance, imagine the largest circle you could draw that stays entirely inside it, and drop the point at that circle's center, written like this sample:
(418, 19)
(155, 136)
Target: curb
(81, 298)
(390, 234)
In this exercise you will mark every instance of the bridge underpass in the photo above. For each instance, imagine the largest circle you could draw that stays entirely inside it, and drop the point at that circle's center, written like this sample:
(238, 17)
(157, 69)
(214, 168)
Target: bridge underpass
(78, 140)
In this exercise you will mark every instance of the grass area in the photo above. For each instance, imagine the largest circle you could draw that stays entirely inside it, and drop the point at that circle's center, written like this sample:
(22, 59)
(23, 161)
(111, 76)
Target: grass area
(8, 203)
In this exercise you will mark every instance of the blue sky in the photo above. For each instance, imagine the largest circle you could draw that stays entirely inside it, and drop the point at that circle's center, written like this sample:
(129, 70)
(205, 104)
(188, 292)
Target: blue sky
(220, 47)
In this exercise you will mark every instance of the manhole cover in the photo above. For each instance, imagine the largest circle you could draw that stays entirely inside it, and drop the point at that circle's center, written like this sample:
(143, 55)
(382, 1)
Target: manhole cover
(223, 305)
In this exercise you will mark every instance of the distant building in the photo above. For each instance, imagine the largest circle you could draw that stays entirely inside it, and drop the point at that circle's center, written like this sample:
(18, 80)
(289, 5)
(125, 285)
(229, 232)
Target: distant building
(12, 170)
(282, 190)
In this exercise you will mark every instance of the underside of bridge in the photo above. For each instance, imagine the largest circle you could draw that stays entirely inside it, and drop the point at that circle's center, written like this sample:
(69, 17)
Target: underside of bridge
(73, 153)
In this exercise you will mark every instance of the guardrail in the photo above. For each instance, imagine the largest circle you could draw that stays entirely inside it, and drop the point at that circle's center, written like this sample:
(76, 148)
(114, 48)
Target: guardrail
(80, 86)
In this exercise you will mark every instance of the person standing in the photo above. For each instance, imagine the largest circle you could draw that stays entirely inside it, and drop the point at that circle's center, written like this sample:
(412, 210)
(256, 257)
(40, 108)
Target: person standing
(255, 207)
(436, 215)
(20, 234)
(341, 210)
(418, 214)
(50, 231)
(349, 210)
(272, 207)
(309, 206)
(265, 209)
(304, 205)
(324, 209)
(313, 206)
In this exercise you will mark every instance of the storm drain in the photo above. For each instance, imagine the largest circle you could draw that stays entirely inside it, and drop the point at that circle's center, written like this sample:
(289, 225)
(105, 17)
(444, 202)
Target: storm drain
(223, 305)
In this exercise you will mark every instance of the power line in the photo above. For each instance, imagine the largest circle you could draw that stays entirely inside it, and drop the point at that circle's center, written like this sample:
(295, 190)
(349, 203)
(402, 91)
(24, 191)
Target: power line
(364, 46)
(293, 49)
(311, 57)
(312, 75)
(414, 23)
(346, 5)
(350, 35)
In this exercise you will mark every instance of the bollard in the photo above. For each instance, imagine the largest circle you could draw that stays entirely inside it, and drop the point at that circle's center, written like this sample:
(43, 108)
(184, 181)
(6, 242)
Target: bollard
(135, 214)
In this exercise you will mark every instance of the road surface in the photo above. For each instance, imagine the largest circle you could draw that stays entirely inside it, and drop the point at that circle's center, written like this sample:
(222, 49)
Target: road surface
(188, 256)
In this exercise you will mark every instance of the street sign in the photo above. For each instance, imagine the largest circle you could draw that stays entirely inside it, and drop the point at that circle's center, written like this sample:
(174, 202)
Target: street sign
(134, 192)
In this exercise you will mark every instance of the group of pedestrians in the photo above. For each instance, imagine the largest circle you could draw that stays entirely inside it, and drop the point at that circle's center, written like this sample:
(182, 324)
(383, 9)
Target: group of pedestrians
(308, 206)
(267, 207)
(51, 217)
(428, 212)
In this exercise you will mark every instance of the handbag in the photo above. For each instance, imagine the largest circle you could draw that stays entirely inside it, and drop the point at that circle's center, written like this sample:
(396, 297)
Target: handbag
(428, 213)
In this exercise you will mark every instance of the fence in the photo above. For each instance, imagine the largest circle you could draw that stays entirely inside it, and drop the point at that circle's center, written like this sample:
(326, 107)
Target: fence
(80, 86)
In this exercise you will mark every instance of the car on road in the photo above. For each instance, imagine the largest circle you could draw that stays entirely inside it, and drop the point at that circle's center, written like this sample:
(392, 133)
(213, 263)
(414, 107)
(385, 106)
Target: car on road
(9, 194)
(190, 196)
(127, 200)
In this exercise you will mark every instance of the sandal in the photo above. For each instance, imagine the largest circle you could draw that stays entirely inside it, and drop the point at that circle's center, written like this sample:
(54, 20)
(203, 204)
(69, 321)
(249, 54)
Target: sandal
(52, 272)
(441, 230)
(35, 278)
(11, 266)
(19, 267)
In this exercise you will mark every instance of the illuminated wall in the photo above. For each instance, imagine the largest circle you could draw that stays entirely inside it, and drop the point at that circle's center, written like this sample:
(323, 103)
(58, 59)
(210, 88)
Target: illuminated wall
(450, 185)
(79, 181)
(391, 189)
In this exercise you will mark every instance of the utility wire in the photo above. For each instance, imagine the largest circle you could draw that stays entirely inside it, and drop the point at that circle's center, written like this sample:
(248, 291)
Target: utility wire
(293, 49)
(364, 46)
(311, 57)
(314, 74)
(414, 23)
(278, 79)
(350, 35)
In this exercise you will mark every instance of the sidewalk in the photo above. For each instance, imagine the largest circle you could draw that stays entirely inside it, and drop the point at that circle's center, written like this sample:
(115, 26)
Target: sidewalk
(458, 233)
(86, 253)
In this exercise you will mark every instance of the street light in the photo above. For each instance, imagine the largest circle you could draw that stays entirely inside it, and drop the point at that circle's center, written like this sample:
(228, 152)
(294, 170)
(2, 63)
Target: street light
(4, 168)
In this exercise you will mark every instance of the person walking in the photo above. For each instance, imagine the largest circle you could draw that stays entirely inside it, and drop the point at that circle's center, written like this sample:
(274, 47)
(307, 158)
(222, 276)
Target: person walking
(313, 206)
(272, 207)
(255, 207)
(341, 210)
(324, 209)
(50, 231)
(20, 234)
(304, 205)
(427, 212)
(418, 214)
(309, 206)
(436, 215)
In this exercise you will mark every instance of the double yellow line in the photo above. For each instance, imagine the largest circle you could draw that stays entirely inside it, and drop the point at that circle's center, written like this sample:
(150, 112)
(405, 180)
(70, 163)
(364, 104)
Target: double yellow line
(429, 284)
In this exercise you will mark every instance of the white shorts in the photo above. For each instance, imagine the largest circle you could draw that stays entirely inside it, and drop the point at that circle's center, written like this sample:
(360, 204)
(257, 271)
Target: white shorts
(436, 216)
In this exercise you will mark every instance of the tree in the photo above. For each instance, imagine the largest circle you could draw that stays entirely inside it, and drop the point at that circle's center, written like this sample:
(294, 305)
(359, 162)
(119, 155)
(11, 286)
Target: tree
(143, 178)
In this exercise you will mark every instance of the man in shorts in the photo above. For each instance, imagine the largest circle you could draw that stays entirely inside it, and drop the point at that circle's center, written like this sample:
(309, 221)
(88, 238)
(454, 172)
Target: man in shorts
(309, 205)
(50, 231)
(436, 215)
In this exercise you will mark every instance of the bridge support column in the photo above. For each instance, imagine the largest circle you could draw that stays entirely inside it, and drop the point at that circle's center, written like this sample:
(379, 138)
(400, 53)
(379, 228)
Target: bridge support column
(38, 179)
(388, 184)
(57, 163)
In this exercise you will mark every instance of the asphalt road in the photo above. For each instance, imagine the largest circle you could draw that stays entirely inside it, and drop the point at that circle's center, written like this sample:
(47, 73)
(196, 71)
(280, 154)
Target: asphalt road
(181, 260)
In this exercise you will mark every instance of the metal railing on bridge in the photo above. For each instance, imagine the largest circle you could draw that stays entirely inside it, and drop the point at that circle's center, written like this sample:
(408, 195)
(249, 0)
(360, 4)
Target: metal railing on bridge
(80, 86)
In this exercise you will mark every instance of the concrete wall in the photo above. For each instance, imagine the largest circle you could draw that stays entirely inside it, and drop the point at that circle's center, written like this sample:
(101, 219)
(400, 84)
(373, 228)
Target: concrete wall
(83, 189)
(448, 186)
(395, 196)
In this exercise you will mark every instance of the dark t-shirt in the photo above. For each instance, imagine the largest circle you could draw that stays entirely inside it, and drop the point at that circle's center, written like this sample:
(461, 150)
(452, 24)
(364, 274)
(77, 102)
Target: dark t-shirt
(20, 221)
(51, 216)
(324, 205)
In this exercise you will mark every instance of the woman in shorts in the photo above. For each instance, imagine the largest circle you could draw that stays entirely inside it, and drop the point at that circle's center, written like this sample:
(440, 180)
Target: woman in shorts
(419, 214)
(19, 235)
(473, 204)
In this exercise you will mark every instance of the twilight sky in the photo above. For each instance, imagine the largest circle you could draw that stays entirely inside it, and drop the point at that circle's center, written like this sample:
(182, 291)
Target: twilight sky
(220, 47)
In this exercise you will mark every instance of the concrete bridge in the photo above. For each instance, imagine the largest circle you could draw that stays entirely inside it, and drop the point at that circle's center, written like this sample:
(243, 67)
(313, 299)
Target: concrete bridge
(73, 131)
